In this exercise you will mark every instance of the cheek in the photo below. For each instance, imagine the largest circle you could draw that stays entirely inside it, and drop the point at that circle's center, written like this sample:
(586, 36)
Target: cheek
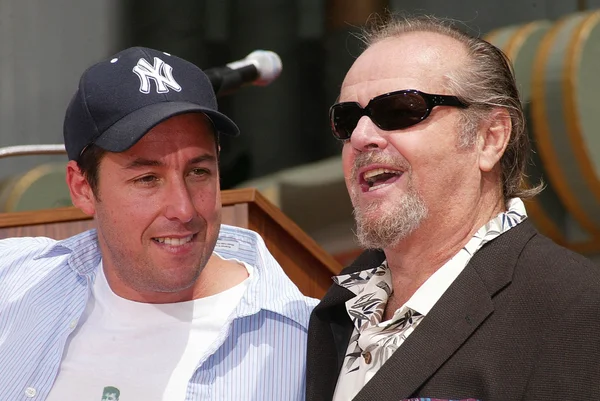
(122, 213)
(412, 146)
(443, 176)
(347, 163)
(208, 208)
(207, 202)
(347, 159)
(428, 162)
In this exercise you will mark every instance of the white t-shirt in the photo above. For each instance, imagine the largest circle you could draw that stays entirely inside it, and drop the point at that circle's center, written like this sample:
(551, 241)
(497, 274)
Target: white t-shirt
(131, 351)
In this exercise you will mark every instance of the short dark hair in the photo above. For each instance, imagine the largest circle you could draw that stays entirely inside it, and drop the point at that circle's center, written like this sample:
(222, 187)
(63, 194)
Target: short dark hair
(111, 390)
(88, 163)
(487, 82)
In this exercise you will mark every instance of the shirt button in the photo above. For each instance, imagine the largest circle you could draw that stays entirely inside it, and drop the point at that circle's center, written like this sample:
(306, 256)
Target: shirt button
(367, 356)
(30, 392)
(73, 324)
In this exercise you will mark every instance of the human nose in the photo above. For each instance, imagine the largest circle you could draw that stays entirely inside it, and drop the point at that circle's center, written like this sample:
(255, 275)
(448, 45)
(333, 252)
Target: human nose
(366, 136)
(179, 204)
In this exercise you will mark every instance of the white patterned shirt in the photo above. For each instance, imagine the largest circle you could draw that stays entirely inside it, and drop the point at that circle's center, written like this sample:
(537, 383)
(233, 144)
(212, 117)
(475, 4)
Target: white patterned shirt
(373, 341)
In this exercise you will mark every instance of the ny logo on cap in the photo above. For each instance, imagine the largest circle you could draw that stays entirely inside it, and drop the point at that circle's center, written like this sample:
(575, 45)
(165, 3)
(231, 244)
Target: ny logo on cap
(161, 73)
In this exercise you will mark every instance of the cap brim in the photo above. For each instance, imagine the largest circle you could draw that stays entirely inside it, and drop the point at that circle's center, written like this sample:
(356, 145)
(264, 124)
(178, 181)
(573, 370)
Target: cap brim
(127, 131)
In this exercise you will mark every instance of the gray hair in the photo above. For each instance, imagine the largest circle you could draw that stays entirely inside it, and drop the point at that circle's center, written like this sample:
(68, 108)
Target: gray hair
(486, 82)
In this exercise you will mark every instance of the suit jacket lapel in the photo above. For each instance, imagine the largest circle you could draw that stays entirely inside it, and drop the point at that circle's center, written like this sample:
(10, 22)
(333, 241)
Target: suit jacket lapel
(329, 333)
(452, 320)
(458, 313)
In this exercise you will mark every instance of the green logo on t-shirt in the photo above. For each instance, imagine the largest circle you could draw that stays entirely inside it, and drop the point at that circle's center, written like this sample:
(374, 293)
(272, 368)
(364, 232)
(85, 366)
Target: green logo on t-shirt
(111, 393)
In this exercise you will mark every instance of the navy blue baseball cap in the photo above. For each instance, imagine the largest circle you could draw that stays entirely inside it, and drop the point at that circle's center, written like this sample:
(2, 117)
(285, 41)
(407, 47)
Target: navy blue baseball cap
(120, 99)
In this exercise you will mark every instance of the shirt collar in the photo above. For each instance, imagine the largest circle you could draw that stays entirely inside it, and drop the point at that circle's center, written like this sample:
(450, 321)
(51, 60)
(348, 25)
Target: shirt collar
(435, 286)
(84, 253)
(287, 300)
(233, 243)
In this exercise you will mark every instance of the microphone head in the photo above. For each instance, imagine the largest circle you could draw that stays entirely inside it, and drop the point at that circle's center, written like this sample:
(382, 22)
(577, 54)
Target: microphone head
(268, 65)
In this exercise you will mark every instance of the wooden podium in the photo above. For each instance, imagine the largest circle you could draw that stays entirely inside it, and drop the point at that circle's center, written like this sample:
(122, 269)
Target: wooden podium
(303, 260)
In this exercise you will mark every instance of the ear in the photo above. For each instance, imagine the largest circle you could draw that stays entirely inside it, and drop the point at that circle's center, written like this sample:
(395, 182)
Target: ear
(82, 195)
(495, 135)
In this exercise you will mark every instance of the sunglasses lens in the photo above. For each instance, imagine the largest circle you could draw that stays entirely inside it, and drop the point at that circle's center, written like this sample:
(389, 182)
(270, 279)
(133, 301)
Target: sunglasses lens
(389, 112)
(344, 118)
(399, 110)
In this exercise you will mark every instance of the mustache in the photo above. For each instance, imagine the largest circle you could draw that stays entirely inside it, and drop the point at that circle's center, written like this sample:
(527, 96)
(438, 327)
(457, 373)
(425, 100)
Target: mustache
(367, 158)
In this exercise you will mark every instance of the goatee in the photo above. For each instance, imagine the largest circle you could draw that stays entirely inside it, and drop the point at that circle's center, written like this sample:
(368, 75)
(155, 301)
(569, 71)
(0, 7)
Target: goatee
(382, 224)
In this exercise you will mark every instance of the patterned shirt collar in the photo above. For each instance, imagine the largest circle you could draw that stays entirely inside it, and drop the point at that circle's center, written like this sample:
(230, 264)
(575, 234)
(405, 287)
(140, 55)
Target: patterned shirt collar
(431, 291)
(373, 340)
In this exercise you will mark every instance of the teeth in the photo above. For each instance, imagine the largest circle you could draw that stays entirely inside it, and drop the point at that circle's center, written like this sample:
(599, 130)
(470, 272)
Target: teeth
(374, 187)
(372, 173)
(174, 241)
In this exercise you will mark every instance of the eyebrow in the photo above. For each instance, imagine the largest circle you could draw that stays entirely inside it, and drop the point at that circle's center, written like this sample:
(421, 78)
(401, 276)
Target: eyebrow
(142, 162)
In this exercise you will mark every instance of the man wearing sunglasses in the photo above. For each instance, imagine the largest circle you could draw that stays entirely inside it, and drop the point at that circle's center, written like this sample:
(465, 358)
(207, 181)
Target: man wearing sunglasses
(458, 297)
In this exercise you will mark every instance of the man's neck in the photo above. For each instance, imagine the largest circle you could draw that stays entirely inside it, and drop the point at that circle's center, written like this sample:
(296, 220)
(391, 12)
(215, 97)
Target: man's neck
(414, 259)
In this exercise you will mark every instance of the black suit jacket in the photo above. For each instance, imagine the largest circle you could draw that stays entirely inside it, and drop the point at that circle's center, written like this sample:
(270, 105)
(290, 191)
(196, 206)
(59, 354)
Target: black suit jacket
(521, 322)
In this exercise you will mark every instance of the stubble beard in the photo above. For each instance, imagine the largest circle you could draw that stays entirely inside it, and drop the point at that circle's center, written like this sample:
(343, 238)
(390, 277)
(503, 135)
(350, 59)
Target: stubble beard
(140, 273)
(384, 223)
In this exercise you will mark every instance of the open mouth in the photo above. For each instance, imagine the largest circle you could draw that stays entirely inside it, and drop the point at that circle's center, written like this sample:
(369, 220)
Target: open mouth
(173, 241)
(377, 178)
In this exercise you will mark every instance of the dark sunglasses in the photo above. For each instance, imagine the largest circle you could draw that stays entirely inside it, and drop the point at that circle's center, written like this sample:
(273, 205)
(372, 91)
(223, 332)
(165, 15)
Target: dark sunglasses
(390, 111)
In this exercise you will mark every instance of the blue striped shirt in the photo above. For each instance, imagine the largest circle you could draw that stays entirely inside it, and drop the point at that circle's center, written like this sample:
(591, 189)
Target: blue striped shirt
(44, 288)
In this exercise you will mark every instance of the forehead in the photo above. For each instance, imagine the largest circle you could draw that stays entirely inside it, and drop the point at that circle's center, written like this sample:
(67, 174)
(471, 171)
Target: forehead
(416, 60)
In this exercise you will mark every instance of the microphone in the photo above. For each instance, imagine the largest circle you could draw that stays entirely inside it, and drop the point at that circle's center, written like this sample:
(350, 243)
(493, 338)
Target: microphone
(261, 67)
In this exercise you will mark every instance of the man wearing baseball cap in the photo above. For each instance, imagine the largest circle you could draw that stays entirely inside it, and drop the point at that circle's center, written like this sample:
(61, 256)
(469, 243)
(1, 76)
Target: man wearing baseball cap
(160, 301)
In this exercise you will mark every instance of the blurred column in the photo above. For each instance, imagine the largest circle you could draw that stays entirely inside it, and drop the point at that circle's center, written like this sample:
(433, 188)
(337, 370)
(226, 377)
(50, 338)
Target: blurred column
(480, 17)
(172, 26)
(280, 119)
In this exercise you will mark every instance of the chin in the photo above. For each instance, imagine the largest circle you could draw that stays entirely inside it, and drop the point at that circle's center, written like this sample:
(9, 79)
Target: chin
(176, 280)
(174, 286)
